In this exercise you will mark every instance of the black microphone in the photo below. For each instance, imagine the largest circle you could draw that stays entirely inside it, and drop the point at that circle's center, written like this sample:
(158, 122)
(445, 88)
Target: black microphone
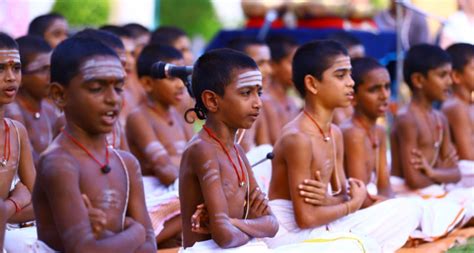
(166, 70)
(269, 156)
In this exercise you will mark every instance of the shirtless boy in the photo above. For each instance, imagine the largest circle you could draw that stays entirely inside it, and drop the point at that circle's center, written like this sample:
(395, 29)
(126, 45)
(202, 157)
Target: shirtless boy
(79, 173)
(29, 107)
(459, 108)
(16, 162)
(310, 147)
(365, 144)
(157, 134)
(214, 170)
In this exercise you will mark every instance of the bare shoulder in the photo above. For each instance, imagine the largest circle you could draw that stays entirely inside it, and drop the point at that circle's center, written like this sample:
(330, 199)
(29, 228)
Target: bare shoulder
(293, 139)
(351, 132)
(137, 113)
(197, 153)
(56, 163)
(20, 127)
(405, 117)
(129, 159)
(454, 109)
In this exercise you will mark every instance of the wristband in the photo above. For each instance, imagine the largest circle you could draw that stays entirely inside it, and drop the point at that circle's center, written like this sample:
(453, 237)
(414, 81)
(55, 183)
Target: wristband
(17, 207)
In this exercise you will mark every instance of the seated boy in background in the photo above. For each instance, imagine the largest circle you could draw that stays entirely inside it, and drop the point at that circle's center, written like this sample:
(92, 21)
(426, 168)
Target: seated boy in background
(459, 108)
(157, 135)
(30, 107)
(365, 145)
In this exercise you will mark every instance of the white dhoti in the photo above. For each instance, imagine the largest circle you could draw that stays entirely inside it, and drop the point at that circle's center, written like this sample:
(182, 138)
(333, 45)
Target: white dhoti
(24, 240)
(211, 246)
(162, 201)
(467, 173)
(444, 207)
(384, 227)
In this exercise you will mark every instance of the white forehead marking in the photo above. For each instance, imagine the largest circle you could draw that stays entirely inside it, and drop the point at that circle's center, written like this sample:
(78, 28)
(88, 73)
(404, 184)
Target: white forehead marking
(249, 78)
(348, 67)
(12, 53)
(102, 68)
(39, 62)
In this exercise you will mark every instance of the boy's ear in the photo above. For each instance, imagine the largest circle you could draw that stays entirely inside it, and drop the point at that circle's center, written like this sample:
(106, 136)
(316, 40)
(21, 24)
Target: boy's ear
(147, 83)
(58, 94)
(311, 84)
(418, 79)
(456, 77)
(210, 100)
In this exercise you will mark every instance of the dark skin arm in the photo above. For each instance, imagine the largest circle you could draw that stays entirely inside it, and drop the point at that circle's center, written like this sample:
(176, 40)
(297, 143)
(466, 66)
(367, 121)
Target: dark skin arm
(301, 170)
(446, 169)
(141, 134)
(223, 230)
(64, 197)
(383, 181)
(407, 136)
(136, 203)
(26, 173)
(261, 222)
(460, 130)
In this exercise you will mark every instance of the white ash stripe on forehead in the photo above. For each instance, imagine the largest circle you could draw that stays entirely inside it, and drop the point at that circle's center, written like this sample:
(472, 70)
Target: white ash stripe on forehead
(12, 53)
(39, 62)
(92, 73)
(249, 73)
(250, 78)
(92, 63)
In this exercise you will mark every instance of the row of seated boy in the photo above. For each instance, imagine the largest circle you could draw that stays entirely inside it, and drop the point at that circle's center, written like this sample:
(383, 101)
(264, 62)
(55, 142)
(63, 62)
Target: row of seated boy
(159, 148)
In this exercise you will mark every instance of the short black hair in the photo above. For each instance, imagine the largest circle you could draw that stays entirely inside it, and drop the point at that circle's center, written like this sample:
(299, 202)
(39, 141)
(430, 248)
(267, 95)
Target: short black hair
(30, 46)
(313, 58)
(281, 46)
(135, 30)
(242, 43)
(107, 38)
(461, 54)
(167, 35)
(117, 30)
(345, 38)
(7, 42)
(422, 58)
(40, 24)
(360, 68)
(71, 53)
(214, 71)
(153, 53)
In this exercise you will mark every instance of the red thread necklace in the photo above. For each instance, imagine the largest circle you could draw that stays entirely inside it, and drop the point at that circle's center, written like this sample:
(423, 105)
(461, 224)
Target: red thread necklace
(36, 113)
(374, 140)
(6, 145)
(241, 177)
(325, 138)
(105, 168)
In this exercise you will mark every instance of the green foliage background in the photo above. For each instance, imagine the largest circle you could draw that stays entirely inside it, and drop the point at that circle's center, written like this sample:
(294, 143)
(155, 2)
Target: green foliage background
(83, 12)
(193, 16)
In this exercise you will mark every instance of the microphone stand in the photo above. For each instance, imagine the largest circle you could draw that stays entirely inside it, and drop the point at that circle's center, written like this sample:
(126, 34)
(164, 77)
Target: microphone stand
(269, 156)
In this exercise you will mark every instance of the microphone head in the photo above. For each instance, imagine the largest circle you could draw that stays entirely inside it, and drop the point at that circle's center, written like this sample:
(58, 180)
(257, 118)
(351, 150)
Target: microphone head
(158, 70)
(270, 155)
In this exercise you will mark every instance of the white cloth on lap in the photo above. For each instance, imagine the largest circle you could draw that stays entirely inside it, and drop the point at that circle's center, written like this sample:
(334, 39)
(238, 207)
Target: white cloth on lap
(24, 240)
(385, 226)
(211, 246)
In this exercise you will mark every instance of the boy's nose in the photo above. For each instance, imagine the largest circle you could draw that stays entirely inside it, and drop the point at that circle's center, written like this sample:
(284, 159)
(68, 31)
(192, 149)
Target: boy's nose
(10, 75)
(385, 93)
(112, 96)
(350, 82)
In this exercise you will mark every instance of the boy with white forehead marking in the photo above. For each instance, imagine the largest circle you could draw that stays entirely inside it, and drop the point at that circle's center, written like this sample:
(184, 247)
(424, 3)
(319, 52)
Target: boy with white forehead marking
(88, 196)
(222, 207)
(16, 164)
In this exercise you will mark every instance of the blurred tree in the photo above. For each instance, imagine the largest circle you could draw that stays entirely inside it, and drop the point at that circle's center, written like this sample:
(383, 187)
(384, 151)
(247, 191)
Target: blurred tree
(83, 12)
(193, 16)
